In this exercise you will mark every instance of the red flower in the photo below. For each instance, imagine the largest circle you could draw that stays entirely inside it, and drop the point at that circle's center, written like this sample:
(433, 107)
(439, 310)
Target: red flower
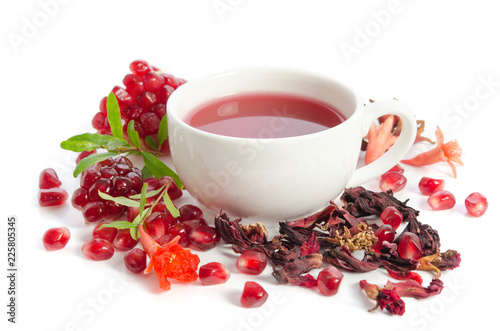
(385, 298)
(449, 152)
(170, 260)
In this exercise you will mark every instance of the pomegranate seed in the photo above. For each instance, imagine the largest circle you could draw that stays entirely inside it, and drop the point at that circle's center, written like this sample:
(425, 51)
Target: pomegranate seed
(83, 155)
(150, 122)
(175, 230)
(157, 224)
(329, 281)
(48, 179)
(140, 67)
(429, 185)
(108, 172)
(153, 82)
(94, 211)
(124, 241)
(213, 273)
(133, 84)
(56, 238)
(52, 197)
(89, 177)
(98, 249)
(441, 200)
(195, 223)
(107, 233)
(251, 262)
(476, 204)
(174, 192)
(410, 247)
(101, 185)
(190, 212)
(153, 183)
(204, 237)
(392, 216)
(396, 168)
(253, 295)
(394, 181)
(135, 260)
(79, 198)
(132, 213)
(383, 233)
(121, 185)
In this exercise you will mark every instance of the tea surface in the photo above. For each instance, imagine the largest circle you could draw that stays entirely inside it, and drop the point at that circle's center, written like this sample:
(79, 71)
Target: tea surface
(264, 116)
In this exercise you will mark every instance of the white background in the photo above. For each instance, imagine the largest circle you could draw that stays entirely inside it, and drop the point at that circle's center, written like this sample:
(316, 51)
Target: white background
(59, 58)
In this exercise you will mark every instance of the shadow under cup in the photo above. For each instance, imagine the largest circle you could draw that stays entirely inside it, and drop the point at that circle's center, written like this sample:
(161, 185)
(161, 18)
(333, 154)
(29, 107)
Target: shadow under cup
(271, 179)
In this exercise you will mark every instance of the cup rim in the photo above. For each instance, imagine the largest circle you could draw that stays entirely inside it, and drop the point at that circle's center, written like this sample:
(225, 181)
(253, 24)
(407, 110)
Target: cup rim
(173, 116)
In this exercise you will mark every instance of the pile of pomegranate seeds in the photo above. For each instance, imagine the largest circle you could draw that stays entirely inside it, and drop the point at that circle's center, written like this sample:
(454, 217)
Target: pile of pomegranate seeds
(143, 99)
(50, 193)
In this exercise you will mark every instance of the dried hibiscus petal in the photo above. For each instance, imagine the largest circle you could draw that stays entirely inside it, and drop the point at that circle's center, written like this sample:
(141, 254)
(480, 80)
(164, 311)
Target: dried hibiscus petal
(411, 288)
(440, 261)
(342, 257)
(310, 247)
(404, 275)
(294, 271)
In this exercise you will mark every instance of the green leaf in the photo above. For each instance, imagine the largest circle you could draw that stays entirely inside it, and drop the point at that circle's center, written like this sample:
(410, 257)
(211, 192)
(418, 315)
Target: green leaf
(162, 132)
(91, 141)
(133, 135)
(160, 169)
(142, 203)
(114, 116)
(120, 225)
(90, 160)
(170, 205)
(140, 216)
(148, 194)
(151, 142)
(120, 200)
(146, 173)
(79, 146)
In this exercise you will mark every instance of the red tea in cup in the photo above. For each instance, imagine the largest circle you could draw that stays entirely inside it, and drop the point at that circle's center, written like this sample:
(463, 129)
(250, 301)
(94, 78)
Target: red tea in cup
(264, 115)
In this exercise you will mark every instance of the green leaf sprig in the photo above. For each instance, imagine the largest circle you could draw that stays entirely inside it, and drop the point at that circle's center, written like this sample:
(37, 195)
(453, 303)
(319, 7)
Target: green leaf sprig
(144, 209)
(116, 144)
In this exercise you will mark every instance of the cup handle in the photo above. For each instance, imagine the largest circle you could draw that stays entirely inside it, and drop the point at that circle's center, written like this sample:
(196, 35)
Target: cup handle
(397, 151)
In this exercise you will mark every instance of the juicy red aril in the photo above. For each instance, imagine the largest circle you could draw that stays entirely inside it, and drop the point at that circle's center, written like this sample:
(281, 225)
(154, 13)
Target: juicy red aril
(251, 262)
(56, 238)
(392, 216)
(121, 186)
(153, 81)
(394, 181)
(101, 185)
(410, 246)
(140, 67)
(150, 122)
(329, 281)
(429, 185)
(195, 223)
(135, 260)
(133, 84)
(476, 204)
(396, 168)
(48, 179)
(98, 249)
(441, 200)
(89, 177)
(174, 192)
(204, 237)
(94, 211)
(213, 273)
(107, 233)
(383, 233)
(83, 155)
(157, 224)
(173, 231)
(52, 197)
(253, 295)
(79, 198)
(153, 183)
(190, 212)
(124, 241)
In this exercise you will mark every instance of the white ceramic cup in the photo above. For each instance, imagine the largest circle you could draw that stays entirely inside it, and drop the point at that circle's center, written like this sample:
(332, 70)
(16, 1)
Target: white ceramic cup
(277, 178)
